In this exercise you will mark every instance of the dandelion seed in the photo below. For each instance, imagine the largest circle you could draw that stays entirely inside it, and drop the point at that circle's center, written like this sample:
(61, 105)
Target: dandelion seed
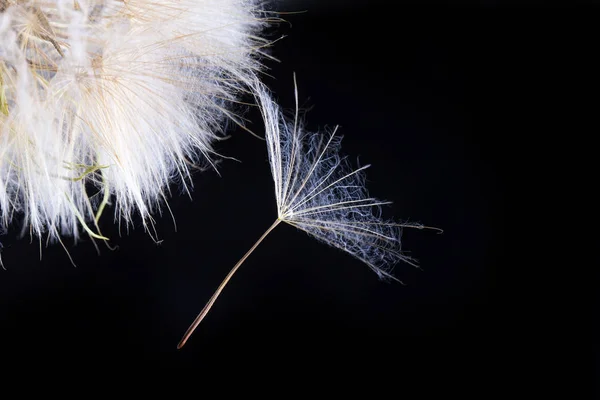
(118, 97)
(318, 192)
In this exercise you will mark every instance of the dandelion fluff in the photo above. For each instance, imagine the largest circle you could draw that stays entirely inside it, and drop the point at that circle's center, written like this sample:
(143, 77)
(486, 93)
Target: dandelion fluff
(108, 101)
(318, 191)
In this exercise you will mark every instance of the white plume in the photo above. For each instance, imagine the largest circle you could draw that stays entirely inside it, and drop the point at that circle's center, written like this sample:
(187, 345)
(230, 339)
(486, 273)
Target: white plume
(319, 192)
(108, 101)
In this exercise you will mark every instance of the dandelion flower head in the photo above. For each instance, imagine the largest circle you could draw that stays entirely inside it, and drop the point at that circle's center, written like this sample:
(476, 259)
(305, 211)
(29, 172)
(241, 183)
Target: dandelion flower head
(108, 101)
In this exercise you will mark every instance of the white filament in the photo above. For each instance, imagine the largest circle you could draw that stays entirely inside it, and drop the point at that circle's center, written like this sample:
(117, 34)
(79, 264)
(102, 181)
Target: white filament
(319, 192)
(111, 100)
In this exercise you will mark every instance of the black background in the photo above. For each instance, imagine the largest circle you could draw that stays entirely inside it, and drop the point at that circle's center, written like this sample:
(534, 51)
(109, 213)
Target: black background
(429, 95)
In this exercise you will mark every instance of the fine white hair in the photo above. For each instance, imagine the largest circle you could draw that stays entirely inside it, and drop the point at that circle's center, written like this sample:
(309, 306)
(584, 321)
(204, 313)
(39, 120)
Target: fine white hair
(317, 190)
(108, 101)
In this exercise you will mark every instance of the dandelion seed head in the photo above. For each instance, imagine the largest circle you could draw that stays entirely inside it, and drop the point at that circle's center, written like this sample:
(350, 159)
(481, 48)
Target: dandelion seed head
(108, 101)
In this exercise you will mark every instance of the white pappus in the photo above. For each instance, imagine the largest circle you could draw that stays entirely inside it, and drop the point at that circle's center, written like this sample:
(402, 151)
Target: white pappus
(318, 191)
(108, 101)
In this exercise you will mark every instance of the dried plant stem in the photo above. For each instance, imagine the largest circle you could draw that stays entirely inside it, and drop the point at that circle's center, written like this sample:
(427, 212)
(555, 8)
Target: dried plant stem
(214, 297)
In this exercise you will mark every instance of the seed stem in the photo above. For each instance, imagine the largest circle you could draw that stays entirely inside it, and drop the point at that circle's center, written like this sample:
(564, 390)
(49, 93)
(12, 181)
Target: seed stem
(214, 297)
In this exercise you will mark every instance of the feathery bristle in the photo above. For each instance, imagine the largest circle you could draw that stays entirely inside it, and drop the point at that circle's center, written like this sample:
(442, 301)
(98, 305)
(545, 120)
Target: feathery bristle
(108, 101)
(318, 191)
